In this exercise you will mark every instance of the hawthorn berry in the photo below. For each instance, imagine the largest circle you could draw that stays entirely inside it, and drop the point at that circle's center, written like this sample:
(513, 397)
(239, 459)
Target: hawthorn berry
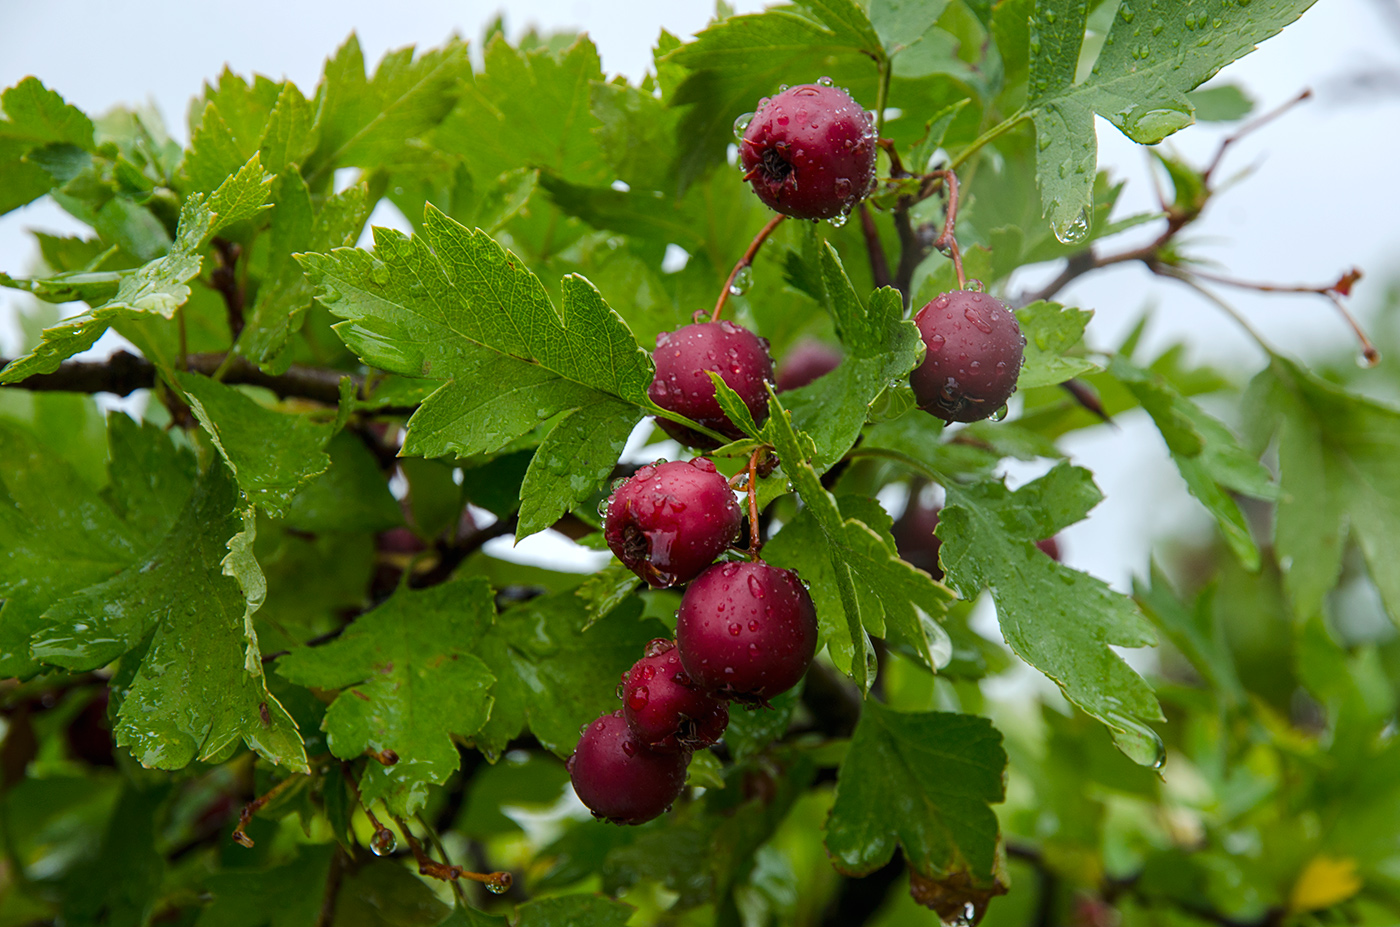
(809, 360)
(746, 630)
(809, 152)
(664, 708)
(618, 778)
(671, 520)
(1050, 547)
(682, 384)
(974, 353)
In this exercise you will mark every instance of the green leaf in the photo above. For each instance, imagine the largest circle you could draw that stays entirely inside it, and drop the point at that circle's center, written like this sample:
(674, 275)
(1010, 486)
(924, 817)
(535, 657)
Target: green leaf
(272, 454)
(1059, 620)
(121, 886)
(881, 346)
(286, 294)
(1222, 103)
(37, 116)
(451, 303)
(925, 781)
(741, 59)
(1154, 53)
(385, 894)
(353, 495)
(1209, 457)
(366, 122)
(161, 286)
(1196, 630)
(410, 683)
(551, 674)
(278, 896)
(530, 108)
(874, 588)
(1051, 331)
(199, 686)
(574, 911)
(902, 23)
(57, 535)
(1339, 479)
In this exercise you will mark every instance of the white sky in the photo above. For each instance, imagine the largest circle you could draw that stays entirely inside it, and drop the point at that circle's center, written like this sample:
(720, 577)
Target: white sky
(1324, 195)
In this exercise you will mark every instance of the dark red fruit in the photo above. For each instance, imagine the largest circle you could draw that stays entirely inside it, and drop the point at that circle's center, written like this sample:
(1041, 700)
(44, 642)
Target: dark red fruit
(664, 708)
(671, 520)
(809, 152)
(683, 385)
(621, 780)
(806, 362)
(914, 537)
(746, 630)
(974, 353)
(1051, 548)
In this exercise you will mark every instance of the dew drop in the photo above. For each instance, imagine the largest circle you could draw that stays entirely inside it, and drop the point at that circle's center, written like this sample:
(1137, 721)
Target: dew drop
(1074, 231)
(826, 81)
(755, 587)
(935, 343)
(743, 281)
(741, 125)
(735, 628)
(839, 219)
(383, 842)
(999, 414)
(629, 748)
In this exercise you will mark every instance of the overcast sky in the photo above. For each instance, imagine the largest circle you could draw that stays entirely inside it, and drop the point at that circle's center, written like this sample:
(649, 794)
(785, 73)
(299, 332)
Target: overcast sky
(1324, 194)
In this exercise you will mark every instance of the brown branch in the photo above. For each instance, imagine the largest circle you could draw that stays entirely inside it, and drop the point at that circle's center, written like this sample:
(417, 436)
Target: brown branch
(496, 882)
(224, 279)
(879, 264)
(123, 373)
(245, 817)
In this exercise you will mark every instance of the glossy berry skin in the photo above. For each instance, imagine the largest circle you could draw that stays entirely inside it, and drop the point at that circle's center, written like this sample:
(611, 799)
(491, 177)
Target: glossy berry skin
(683, 385)
(671, 520)
(746, 631)
(807, 361)
(619, 779)
(974, 352)
(809, 152)
(664, 709)
(1050, 547)
(914, 537)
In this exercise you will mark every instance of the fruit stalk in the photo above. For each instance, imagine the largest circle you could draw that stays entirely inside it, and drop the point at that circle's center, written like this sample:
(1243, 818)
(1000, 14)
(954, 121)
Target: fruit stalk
(745, 261)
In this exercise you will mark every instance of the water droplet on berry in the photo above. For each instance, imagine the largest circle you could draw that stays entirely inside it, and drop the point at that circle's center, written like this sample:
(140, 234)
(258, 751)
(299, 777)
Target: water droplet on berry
(734, 629)
(629, 748)
(839, 219)
(741, 124)
(639, 698)
(973, 316)
(999, 414)
(755, 587)
(826, 81)
(936, 342)
(753, 625)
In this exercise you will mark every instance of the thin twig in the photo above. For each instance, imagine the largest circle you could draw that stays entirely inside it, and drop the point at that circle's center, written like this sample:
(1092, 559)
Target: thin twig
(948, 241)
(1249, 127)
(245, 817)
(755, 541)
(495, 882)
(745, 261)
(879, 264)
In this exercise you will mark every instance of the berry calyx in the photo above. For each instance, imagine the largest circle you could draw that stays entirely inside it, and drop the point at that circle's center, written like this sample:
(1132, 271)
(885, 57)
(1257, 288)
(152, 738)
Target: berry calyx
(806, 362)
(809, 152)
(618, 778)
(746, 631)
(682, 383)
(974, 349)
(671, 520)
(664, 709)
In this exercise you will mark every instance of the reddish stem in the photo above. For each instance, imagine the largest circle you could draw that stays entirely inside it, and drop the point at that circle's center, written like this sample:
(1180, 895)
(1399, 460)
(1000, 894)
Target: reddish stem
(495, 882)
(745, 261)
(755, 542)
(947, 241)
(245, 817)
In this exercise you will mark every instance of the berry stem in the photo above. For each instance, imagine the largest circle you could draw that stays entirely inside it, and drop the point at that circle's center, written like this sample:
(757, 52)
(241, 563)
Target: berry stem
(947, 240)
(879, 264)
(745, 261)
(495, 882)
(755, 542)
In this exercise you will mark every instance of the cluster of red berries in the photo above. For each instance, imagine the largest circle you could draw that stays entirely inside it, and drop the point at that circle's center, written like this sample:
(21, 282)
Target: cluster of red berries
(745, 631)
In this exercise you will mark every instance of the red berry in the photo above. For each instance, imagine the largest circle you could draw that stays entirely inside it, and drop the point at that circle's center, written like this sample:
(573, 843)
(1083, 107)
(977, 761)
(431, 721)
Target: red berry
(683, 384)
(806, 362)
(974, 353)
(746, 630)
(664, 708)
(809, 152)
(1051, 547)
(671, 520)
(621, 780)
(914, 537)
